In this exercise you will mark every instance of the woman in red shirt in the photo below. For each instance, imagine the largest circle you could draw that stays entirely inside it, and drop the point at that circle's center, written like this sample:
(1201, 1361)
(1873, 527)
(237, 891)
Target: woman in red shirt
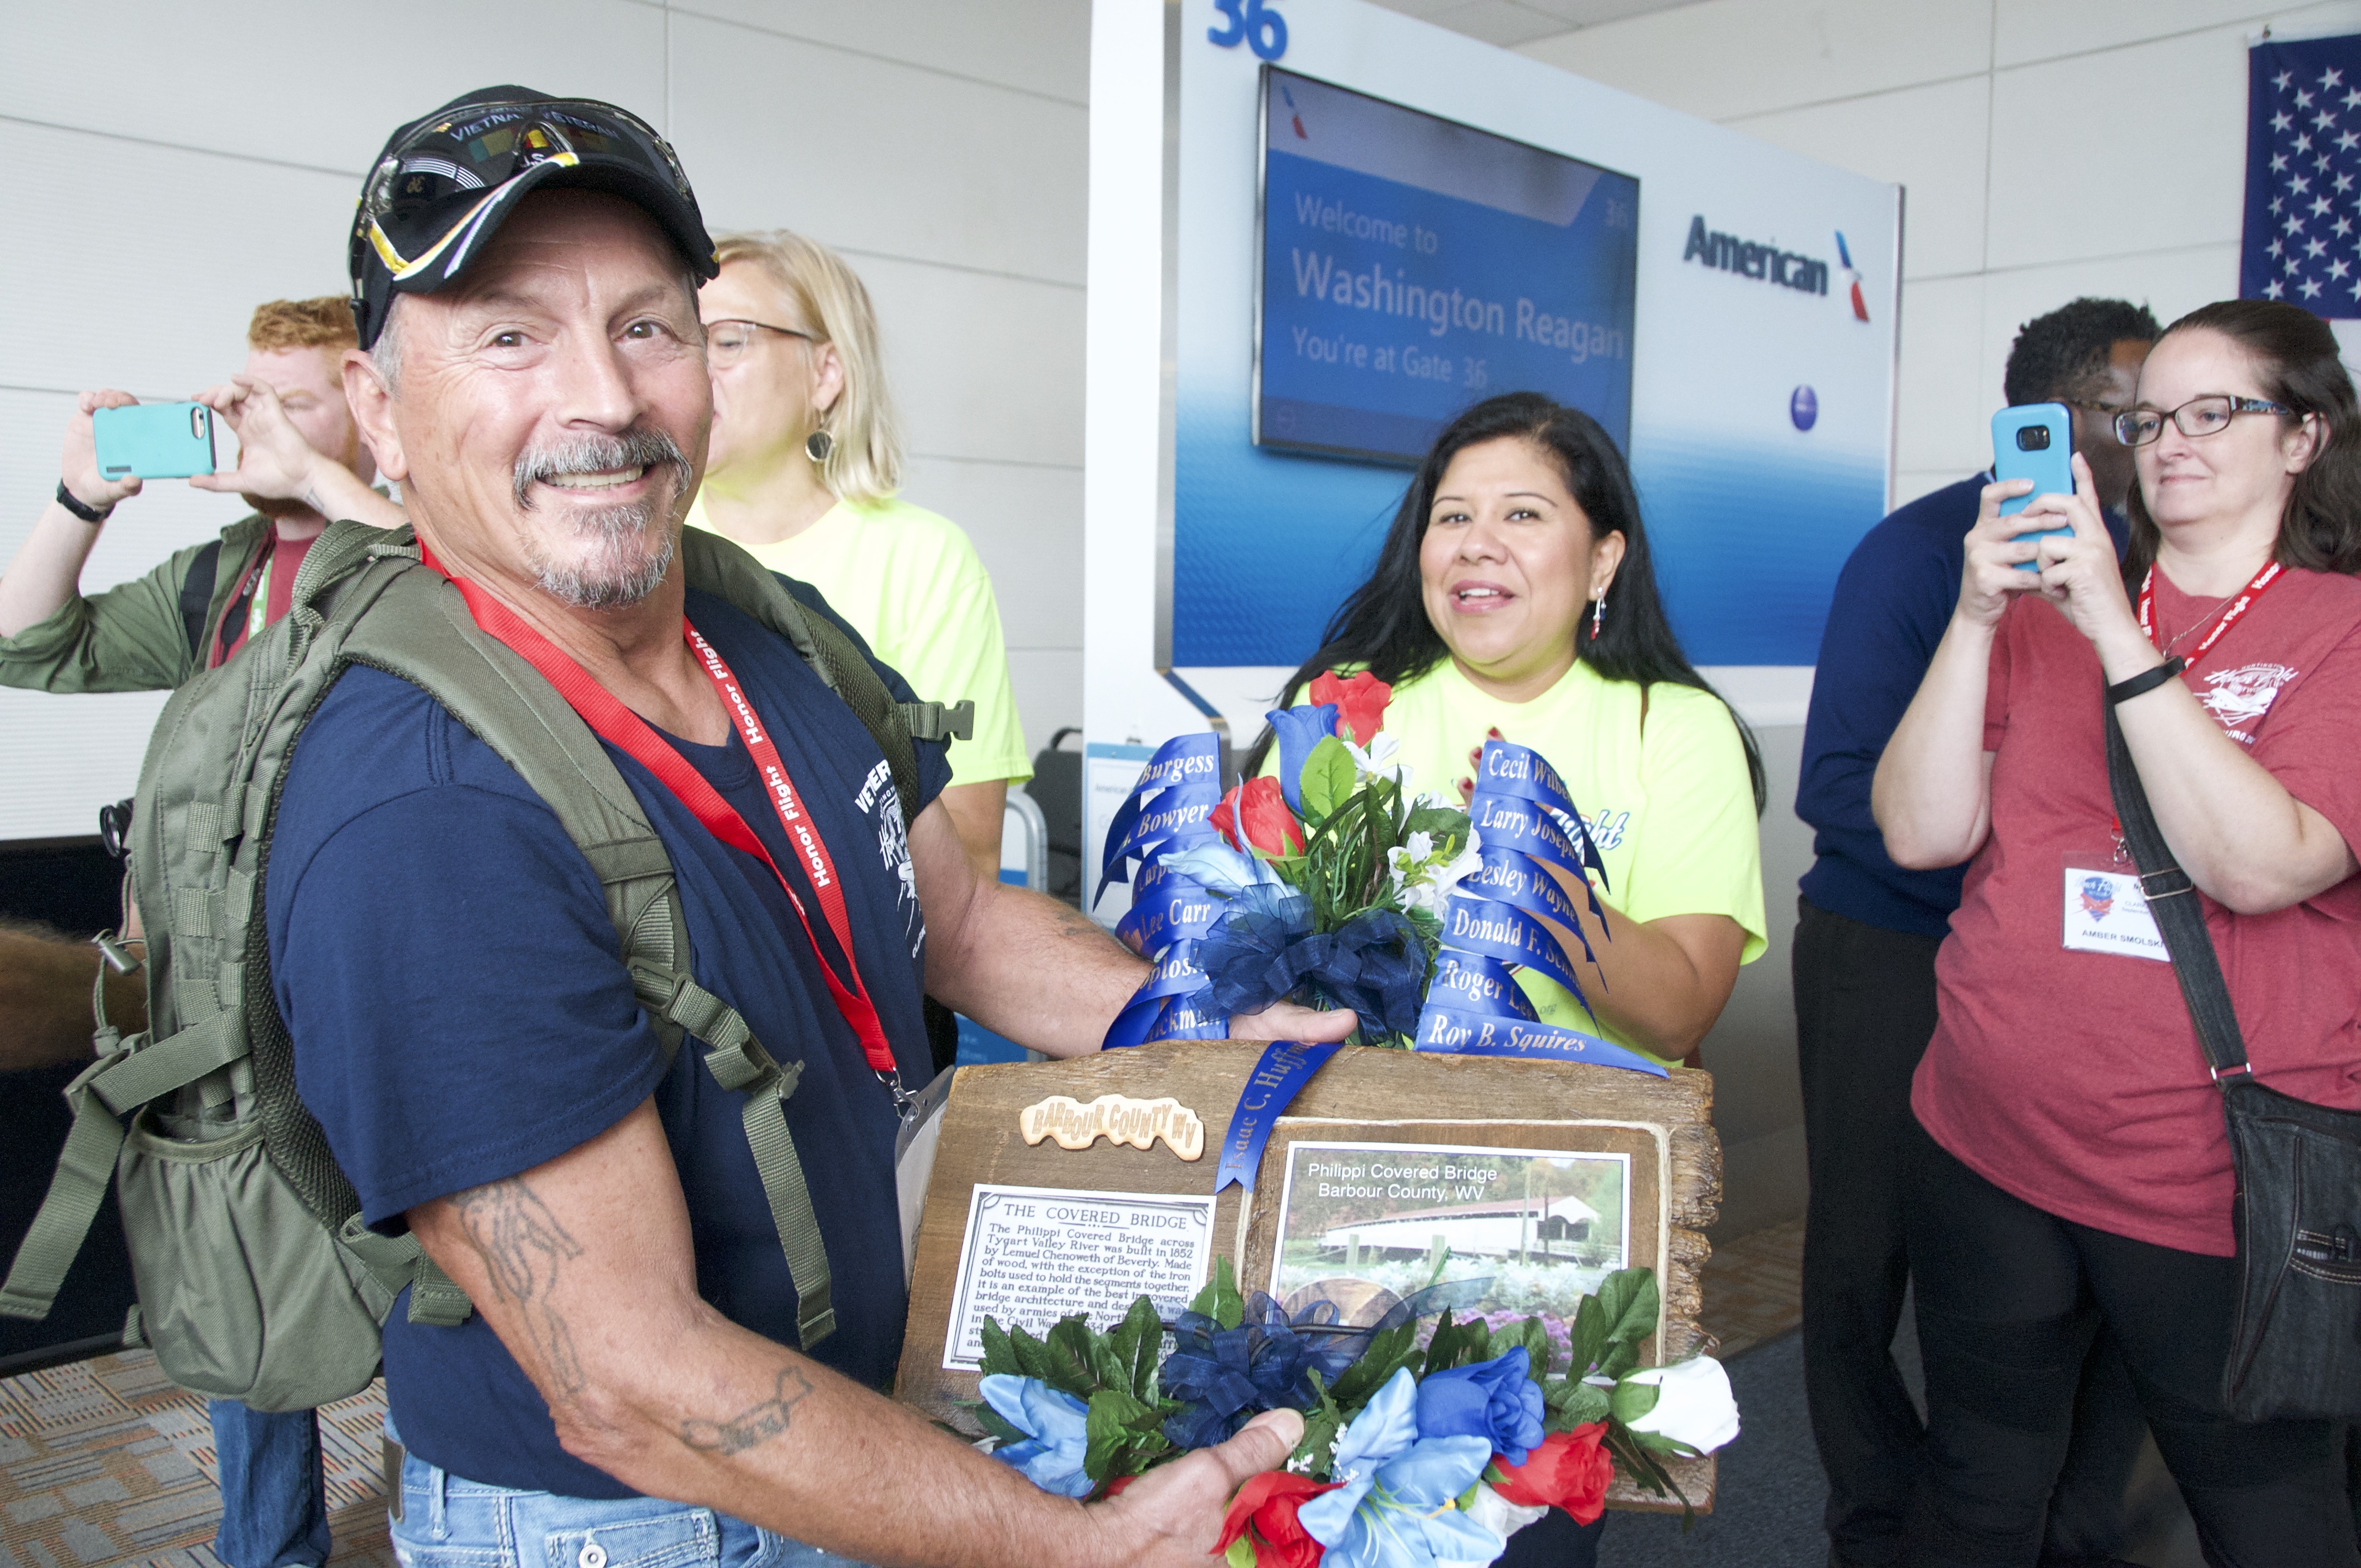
(2076, 1168)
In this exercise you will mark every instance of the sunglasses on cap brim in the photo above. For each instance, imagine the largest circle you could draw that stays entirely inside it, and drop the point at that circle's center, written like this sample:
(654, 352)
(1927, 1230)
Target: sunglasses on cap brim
(406, 215)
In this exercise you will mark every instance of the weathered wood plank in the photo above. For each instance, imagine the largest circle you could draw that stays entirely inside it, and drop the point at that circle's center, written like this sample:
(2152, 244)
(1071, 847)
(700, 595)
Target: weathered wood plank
(1420, 1095)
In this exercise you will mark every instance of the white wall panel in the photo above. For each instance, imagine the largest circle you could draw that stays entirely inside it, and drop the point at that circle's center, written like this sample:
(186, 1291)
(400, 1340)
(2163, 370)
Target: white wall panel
(158, 306)
(2054, 197)
(1911, 483)
(67, 756)
(1931, 140)
(982, 367)
(1039, 46)
(877, 156)
(2026, 30)
(1945, 401)
(1026, 522)
(308, 84)
(1727, 57)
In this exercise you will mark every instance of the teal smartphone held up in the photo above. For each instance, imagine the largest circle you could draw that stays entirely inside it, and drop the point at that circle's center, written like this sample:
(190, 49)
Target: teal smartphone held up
(2036, 441)
(154, 441)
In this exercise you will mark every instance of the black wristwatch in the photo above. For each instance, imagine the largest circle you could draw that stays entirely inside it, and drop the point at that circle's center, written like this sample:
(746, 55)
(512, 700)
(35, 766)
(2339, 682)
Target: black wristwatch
(88, 514)
(2146, 680)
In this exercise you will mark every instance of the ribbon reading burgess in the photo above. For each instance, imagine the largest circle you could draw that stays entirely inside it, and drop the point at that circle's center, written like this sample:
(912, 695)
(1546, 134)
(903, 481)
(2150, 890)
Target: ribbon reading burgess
(1191, 762)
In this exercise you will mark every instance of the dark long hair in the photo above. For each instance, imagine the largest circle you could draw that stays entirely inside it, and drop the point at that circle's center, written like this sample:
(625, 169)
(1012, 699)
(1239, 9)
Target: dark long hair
(1383, 626)
(2296, 361)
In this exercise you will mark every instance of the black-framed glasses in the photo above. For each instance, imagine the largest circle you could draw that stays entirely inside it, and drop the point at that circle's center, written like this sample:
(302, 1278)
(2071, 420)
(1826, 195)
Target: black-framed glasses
(2209, 415)
(727, 341)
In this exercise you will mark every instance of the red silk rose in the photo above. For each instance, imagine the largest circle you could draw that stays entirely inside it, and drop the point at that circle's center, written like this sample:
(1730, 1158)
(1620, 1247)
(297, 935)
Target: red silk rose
(1267, 1502)
(1270, 826)
(1568, 1471)
(1360, 703)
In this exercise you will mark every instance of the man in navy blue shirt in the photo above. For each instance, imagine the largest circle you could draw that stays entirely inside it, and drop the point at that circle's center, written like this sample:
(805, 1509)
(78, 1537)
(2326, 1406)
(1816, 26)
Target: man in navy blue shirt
(631, 1387)
(1865, 954)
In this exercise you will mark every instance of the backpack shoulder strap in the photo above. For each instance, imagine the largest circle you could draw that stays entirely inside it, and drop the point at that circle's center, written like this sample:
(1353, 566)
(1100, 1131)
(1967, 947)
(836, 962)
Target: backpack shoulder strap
(197, 596)
(720, 566)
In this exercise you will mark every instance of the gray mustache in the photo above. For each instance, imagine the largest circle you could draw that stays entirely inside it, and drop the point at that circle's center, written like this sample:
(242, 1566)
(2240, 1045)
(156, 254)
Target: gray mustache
(636, 447)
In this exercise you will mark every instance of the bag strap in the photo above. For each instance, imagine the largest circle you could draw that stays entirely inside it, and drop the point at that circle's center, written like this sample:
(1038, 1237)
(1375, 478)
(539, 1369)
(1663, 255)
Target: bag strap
(197, 597)
(2172, 899)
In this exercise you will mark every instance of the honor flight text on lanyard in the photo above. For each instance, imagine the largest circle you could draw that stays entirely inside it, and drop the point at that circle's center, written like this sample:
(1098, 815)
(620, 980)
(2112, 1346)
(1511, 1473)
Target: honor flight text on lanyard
(618, 725)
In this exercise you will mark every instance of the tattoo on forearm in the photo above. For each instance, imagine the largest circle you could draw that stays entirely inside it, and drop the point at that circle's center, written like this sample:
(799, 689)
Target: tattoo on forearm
(1075, 925)
(753, 1426)
(522, 1246)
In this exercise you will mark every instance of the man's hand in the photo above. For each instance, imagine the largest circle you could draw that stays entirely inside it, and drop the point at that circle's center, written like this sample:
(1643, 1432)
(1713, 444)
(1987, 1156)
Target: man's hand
(273, 458)
(1286, 1021)
(78, 463)
(1174, 1512)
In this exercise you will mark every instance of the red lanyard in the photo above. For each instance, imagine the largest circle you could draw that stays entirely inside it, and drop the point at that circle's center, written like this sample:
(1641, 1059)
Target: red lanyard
(615, 723)
(2238, 606)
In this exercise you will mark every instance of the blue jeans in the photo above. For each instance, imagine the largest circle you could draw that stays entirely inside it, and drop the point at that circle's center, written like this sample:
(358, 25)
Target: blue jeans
(274, 1498)
(448, 1521)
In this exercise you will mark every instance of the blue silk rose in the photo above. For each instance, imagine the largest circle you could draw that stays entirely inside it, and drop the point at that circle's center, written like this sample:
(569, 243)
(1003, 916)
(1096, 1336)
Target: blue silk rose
(1053, 1422)
(1497, 1400)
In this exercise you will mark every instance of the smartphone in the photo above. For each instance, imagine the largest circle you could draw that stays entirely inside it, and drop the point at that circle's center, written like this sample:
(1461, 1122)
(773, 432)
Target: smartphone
(2036, 441)
(154, 441)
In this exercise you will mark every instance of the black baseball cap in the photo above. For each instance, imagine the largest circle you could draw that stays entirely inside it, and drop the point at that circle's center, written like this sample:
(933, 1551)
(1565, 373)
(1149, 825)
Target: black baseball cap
(446, 183)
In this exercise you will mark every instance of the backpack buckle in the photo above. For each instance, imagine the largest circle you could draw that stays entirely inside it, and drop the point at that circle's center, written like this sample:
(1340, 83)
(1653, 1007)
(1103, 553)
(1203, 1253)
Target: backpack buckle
(2243, 1069)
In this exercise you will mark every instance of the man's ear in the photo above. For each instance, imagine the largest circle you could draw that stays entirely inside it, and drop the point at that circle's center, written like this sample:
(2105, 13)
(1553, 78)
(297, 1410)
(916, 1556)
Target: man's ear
(371, 401)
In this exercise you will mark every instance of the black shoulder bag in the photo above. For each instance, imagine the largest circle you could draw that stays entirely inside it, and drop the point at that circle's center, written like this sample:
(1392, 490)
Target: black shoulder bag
(2295, 1349)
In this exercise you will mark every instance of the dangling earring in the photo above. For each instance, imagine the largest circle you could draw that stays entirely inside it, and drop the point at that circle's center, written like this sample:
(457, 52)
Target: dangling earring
(819, 445)
(1597, 613)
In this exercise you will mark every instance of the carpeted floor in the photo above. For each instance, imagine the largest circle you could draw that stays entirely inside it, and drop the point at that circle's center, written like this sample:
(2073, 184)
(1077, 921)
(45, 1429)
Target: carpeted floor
(105, 1462)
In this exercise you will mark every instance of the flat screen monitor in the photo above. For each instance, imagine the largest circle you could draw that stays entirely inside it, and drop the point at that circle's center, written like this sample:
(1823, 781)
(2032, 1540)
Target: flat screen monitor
(1412, 266)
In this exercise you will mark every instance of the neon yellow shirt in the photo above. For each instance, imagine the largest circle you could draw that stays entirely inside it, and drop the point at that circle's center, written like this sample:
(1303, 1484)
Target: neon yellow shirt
(910, 582)
(1671, 807)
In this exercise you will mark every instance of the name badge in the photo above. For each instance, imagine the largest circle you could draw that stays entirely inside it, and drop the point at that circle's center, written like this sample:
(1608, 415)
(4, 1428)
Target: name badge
(2107, 913)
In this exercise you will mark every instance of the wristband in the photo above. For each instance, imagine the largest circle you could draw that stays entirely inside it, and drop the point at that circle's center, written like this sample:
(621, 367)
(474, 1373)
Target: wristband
(88, 514)
(2146, 680)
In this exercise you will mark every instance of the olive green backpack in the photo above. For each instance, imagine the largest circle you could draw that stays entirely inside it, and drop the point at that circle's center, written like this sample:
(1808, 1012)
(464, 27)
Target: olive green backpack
(257, 1280)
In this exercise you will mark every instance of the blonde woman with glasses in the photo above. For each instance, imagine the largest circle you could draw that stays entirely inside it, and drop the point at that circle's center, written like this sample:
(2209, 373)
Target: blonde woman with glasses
(805, 461)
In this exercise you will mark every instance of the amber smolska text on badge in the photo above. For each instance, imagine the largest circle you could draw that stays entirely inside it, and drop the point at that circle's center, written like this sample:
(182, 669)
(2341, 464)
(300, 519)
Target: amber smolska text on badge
(1119, 1118)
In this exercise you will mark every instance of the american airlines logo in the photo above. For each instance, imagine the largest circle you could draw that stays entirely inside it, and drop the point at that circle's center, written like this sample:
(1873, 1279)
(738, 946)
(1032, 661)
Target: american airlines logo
(1770, 264)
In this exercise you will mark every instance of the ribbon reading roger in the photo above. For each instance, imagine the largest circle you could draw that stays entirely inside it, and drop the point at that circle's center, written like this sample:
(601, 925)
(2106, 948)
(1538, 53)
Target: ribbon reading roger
(1285, 1068)
(1170, 913)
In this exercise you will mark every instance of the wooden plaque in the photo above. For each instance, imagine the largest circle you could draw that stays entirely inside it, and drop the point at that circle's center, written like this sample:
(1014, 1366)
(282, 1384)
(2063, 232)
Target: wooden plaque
(1660, 1128)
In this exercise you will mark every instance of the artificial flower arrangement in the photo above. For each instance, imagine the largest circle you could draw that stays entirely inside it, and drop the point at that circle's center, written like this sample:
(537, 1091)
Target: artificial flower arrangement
(1415, 1454)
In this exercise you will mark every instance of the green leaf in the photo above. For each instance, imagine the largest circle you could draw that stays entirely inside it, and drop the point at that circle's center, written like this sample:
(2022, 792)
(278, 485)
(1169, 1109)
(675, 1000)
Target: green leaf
(1385, 1354)
(1327, 780)
(1573, 1403)
(1534, 1335)
(1220, 1300)
(1067, 1355)
(1241, 1553)
(1631, 1400)
(1629, 1299)
(1032, 1355)
(999, 1356)
(1108, 1427)
(1134, 1346)
(1322, 1423)
(994, 1423)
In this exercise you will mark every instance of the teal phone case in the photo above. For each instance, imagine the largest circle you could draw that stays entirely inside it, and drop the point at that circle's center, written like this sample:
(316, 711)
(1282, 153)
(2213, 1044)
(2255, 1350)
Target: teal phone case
(2036, 441)
(154, 441)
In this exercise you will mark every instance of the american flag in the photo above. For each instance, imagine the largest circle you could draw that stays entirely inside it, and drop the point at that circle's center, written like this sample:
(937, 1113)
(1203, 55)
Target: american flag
(2303, 176)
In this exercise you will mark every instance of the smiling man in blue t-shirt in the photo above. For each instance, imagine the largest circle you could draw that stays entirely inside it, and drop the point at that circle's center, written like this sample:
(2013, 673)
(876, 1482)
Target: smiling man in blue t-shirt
(464, 1028)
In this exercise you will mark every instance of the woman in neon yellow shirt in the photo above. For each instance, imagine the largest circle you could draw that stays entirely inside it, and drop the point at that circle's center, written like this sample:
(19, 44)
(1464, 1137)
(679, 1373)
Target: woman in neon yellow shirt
(1514, 595)
(802, 469)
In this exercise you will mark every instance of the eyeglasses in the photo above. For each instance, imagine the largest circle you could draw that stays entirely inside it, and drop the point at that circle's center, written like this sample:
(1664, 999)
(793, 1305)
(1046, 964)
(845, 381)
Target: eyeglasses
(726, 342)
(2198, 416)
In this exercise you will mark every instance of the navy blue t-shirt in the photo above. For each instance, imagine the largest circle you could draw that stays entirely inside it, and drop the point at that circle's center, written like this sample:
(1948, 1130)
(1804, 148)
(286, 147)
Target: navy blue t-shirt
(460, 1012)
(1893, 601)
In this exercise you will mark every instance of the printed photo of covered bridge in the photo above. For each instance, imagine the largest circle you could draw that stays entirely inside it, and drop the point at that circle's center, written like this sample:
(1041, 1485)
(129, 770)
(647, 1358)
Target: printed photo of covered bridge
(1526, 1229)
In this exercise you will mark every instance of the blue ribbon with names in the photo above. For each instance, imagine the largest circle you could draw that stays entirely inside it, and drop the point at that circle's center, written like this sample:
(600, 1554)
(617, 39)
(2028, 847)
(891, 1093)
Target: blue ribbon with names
(1189, 762)
(1466, 1033)
(1281, 1074)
